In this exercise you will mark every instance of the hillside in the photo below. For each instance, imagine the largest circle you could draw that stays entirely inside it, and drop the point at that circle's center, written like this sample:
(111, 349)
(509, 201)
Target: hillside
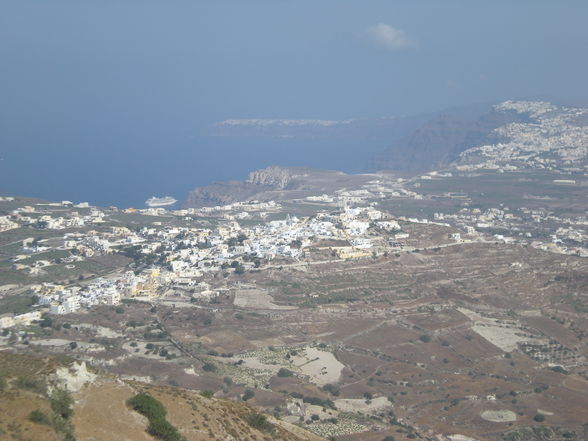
(100, 410)
(439, 141)
(523, 134)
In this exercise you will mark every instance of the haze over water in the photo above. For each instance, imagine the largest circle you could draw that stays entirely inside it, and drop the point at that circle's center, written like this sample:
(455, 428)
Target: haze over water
(108, 175)
(105, 101)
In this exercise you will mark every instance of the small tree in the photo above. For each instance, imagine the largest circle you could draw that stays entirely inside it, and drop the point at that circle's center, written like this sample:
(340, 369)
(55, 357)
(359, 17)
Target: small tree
(283, 372)
(248, 394)
(425, 338)
(332, 389)
(207, 393)
(209, 367)
(260, 422)
(163, 430)
(61, 403)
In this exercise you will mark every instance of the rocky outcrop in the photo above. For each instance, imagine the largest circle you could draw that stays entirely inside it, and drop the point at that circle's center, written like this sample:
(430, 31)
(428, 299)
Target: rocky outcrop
(221, 193)
(276, 177)
(260, 181)
(73, 378)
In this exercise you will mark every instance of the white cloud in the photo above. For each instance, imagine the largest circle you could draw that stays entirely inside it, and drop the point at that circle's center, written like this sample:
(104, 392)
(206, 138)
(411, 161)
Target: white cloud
(389, 37)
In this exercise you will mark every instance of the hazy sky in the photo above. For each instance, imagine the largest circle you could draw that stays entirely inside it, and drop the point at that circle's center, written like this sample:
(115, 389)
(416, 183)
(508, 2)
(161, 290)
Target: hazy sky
(157, 62)
(105, 71)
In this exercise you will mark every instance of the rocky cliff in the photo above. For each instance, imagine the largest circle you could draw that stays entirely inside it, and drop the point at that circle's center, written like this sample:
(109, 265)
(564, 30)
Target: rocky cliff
(221, 193)
(439, 141)
(277, 177)
(259, 181)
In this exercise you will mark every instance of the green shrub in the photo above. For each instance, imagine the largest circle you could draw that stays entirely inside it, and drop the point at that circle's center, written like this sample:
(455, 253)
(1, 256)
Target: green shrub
(539, 418)
(259, 422)
(283, 372)
(146, 405)
(319, 402)
(30, 383)
(155, 412)
(63, 426)
(39, 417)
(207, 393)
(332, 389)
(248, 394)
(425, 338)
(209, 367)
(163, 430)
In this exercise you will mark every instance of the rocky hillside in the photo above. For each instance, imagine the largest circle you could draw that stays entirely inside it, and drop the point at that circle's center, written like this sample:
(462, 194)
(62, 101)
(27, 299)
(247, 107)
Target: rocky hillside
(550, 138)
(258, 182)
(271, 183)
(52, 399)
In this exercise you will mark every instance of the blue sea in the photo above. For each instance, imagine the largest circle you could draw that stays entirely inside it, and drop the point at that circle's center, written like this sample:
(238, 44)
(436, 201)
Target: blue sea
(112, 170)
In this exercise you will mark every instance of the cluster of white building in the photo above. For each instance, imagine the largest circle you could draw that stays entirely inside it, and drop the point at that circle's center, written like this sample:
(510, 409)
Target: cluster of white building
(242, 210)
(57, 216)
(519, 225)
(102, 291)
(61, 300)
(551, 141)
(6, 223)
(190, 252)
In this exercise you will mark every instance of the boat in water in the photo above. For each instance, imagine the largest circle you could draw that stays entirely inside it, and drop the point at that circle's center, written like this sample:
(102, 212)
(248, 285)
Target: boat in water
(160, 202)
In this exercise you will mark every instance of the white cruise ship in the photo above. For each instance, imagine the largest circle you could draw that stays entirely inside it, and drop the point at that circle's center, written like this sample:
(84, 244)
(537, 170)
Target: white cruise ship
(160, 202)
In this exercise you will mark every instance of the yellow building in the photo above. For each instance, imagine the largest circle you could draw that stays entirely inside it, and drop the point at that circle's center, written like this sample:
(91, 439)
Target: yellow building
(351, 253)
(147, 284)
